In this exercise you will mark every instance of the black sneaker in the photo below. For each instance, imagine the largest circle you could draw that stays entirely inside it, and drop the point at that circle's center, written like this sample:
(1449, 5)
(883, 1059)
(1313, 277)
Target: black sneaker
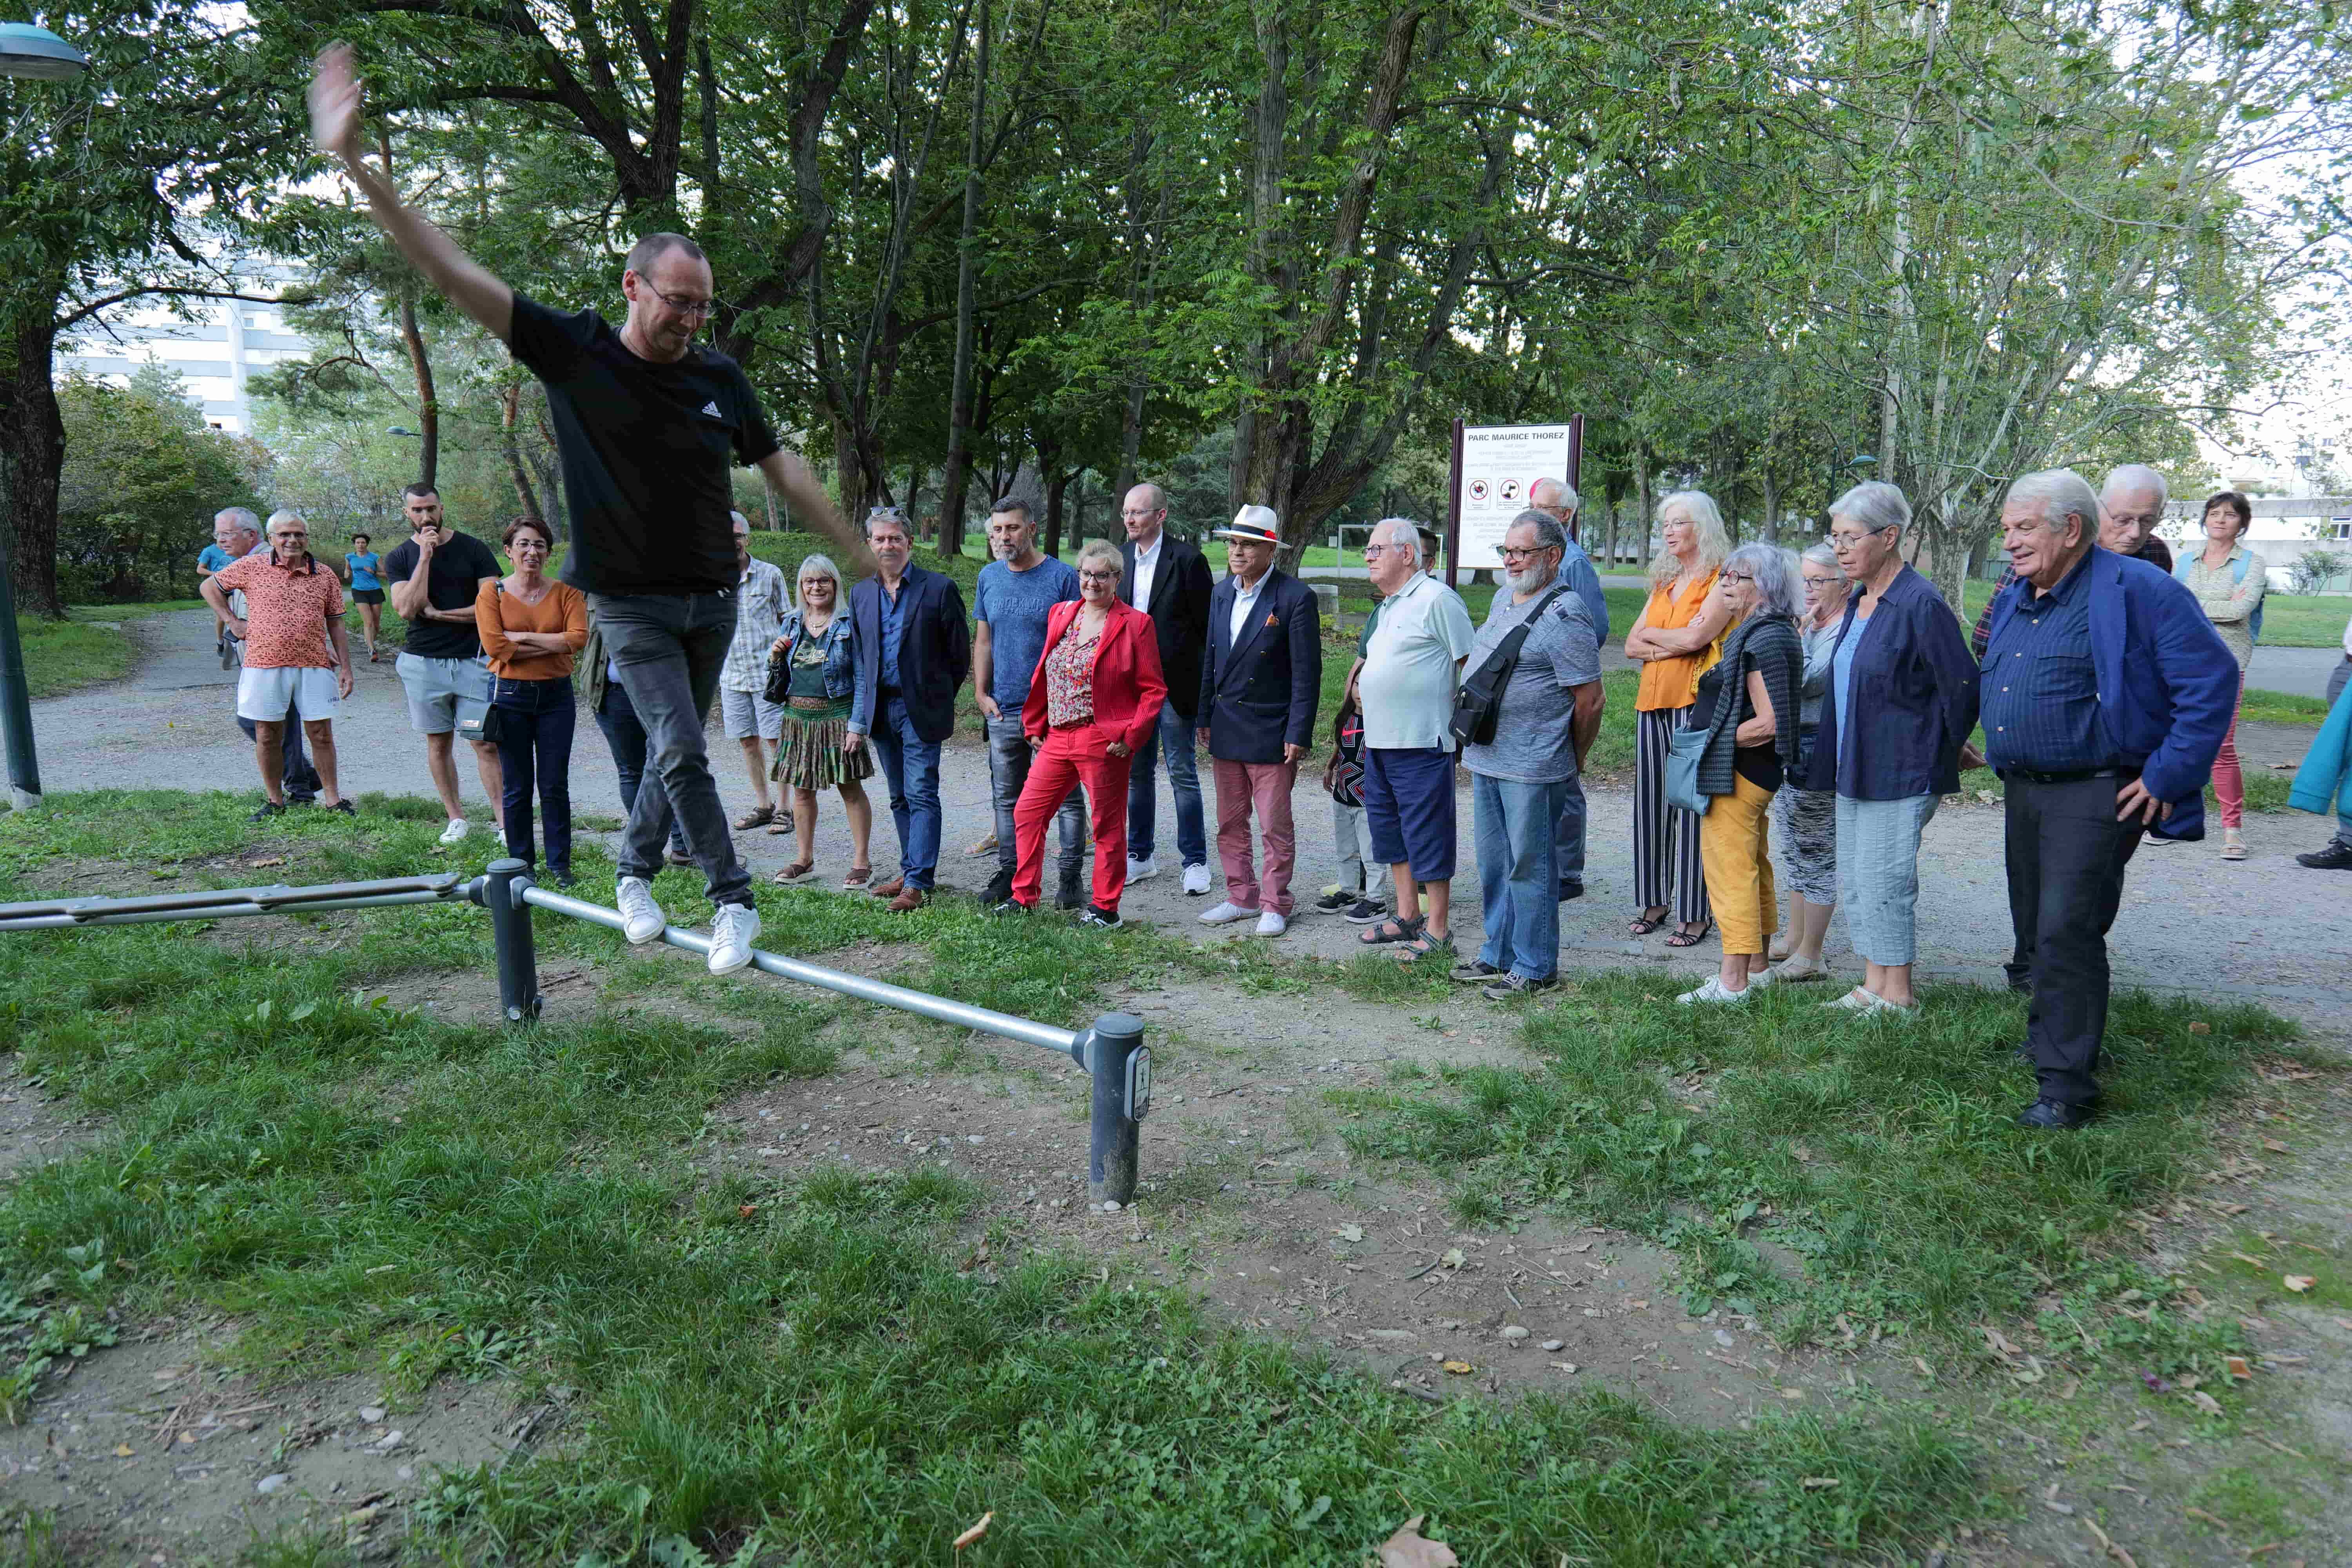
(2336, 857)
(1364, 913)
(1508, 985)
(268, 809)
(1097, 916)
(999, 888)
(1335, 903)
(562, 879)
(1008, 907)
(1072, 891)
(1570, 890)
(345, 806)
(678, 858)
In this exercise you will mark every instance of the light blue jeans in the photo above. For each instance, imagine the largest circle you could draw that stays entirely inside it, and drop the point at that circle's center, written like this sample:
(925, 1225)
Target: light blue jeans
(1518, 873)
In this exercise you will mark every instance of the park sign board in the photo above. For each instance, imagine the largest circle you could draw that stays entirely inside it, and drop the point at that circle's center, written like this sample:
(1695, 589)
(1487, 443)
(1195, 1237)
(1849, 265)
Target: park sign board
(1494, 467)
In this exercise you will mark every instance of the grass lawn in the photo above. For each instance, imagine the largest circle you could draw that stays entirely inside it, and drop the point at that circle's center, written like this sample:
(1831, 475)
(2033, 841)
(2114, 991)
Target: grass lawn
(814, 1358)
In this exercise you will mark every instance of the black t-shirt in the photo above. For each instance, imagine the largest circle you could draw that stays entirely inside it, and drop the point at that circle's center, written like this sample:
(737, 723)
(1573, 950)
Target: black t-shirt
(646, 451)
(460, 561)
(1759, 766)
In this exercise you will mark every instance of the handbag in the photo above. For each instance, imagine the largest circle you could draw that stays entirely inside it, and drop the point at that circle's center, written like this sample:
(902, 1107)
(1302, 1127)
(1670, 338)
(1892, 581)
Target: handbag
(1684, 749)
(479, 720)
(1479, 702)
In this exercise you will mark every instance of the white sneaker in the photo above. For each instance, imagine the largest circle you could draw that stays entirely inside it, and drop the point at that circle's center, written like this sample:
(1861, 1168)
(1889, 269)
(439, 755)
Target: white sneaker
(733, 929)
(1226, 914)
(1713, 991)
(1196, 877)
(1143, 869)
(456, 830)
(1272, 923)
(643, 921)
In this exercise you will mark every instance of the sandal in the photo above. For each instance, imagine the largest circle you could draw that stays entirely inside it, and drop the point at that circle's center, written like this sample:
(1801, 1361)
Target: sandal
(758, 816)
(1692, 938)
(795, 871)
(1389, 932)
(782, 824)
(859, 876)
(1643, 925)
(1424, 944)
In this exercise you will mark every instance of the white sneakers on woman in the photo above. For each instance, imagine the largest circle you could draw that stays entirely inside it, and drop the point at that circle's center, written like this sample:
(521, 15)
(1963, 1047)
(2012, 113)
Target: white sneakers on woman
(1870, 1002)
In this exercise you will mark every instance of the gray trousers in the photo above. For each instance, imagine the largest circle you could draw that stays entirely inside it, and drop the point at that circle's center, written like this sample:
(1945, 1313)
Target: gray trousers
(670, 650)
(1008, 769)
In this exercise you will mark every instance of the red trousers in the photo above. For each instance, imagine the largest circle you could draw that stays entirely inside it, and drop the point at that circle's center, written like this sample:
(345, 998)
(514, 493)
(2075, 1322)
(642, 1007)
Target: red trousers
(1079, 754)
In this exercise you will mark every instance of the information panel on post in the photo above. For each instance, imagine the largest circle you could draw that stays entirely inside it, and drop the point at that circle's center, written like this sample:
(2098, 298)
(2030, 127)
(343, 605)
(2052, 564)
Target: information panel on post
(1496, 467)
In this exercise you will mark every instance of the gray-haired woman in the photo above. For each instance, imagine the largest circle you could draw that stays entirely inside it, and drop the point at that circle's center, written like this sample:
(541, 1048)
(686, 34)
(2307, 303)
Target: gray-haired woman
(813, 676)
(1806, 819)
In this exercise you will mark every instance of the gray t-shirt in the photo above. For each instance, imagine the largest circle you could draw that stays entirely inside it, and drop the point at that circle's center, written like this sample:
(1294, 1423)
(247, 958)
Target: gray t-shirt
(1013, 606)
(1533, 742)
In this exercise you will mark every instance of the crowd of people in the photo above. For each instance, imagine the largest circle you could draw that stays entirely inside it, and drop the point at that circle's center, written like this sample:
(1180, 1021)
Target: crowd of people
(1827, 700)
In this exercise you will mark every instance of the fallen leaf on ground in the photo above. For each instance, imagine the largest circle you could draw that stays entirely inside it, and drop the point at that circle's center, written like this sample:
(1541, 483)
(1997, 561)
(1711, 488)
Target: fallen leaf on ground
(1459, 1368)
(1998, 1341)
(975, 1533)
(2237, 1366)
(2298, 1283)
(1815, 1483)
(122, 1450)
(1455, 1258)
(1350, 1233)
(2275, 1146)
(745, 1211)
(270, 860)
(2205, 1402)
(2200, 1028)
(1408, 1548)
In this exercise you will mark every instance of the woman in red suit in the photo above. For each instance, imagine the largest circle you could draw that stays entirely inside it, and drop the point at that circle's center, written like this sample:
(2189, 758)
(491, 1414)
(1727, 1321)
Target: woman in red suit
(1094, 699)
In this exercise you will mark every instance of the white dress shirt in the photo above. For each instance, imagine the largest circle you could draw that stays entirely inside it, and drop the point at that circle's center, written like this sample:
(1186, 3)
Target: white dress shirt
(1244, 603)
(1146, 564)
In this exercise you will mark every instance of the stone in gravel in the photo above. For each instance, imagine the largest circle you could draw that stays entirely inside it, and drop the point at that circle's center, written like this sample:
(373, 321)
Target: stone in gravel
(1110, 1206)
(1554, 1344)
(1724, 1339)
(371, 1414)
(276, 1483)
(388, 1441)
(1513, 1332)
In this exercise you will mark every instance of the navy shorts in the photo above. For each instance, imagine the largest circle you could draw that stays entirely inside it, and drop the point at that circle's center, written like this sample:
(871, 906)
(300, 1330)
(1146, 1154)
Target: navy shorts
(1409, 804)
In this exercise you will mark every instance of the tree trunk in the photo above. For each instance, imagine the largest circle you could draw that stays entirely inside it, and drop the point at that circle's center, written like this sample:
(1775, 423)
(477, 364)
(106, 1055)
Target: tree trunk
(1055, 483)
(509, 404)
(547, 468)
(914, 489)
(32, 456)
(950, 534)
(1772, 504)
(1648, 500)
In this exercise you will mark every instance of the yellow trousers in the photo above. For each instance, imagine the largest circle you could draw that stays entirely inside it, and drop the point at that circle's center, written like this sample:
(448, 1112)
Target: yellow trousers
(1738, 867)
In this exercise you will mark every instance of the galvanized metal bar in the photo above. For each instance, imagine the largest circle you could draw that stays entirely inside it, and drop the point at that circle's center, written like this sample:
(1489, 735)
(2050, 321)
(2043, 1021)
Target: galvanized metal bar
(212, 912)
(501, 891)
(1003, 1024)
(443, 884)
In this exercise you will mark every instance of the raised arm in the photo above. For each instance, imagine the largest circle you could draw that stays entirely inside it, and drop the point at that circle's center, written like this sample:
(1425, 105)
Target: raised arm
(335, 126)
(796, 481)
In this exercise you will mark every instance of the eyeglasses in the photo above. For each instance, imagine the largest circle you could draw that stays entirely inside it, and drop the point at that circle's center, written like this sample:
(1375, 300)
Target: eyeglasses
(1740, 576)
(1520, 552)
(684, 306)
(1099, 576)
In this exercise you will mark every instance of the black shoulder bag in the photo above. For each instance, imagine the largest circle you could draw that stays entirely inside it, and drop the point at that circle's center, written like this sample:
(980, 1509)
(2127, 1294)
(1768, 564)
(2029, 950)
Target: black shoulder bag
(1479, 702)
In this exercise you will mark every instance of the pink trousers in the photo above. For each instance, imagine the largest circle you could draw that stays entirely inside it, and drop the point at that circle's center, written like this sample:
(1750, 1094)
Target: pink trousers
(1264, 787)
(2229, 779)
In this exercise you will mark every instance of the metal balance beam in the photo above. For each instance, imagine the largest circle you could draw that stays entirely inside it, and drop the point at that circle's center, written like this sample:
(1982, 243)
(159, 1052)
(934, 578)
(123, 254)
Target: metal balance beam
(1111, 1051)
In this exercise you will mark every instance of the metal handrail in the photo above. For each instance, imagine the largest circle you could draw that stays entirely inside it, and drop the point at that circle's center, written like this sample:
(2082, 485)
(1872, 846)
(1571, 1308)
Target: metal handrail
(219, 903)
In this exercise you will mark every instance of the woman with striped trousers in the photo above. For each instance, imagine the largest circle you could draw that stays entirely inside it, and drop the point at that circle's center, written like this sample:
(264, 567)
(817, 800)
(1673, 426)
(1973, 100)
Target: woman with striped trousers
(1675, 639)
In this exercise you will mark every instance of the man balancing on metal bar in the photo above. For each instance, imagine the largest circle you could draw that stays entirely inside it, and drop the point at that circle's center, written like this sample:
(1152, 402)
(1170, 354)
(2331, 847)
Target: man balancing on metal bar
(647, 427)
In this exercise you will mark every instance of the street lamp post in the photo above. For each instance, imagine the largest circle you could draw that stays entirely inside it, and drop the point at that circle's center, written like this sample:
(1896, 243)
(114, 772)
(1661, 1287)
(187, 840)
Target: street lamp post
(26, 50)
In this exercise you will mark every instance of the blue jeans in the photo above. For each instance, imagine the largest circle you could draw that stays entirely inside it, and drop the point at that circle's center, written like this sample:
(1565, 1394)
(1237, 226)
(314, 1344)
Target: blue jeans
(626, 738)
(1519, 877)
(911, 765)
(1174, 737)
(1567, 842)
(535, 723)
(670, 650)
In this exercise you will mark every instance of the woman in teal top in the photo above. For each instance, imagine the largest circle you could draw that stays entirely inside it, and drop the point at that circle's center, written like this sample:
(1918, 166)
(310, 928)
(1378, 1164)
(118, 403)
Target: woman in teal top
(360, 567)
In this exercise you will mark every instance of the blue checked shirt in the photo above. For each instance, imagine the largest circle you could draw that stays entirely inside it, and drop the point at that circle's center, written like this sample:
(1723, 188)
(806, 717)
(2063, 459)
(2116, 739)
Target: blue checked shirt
(2040, 690)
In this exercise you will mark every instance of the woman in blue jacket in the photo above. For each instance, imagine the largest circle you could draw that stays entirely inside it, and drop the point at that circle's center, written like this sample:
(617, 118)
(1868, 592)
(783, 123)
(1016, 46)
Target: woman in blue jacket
(813, 675)
(1901, 698)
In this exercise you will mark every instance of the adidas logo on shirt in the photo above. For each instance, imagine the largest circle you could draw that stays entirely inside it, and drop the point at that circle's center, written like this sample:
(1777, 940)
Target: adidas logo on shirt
(712, 408)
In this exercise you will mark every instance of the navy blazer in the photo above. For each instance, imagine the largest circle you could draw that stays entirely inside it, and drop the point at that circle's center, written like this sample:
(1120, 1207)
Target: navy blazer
(934, 646)
(1179, 612)
(1914, 689)
(2168, 683)
(1259, 691)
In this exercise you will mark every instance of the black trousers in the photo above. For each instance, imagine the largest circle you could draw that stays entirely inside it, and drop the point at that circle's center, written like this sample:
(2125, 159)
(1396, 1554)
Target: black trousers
(2066, 855)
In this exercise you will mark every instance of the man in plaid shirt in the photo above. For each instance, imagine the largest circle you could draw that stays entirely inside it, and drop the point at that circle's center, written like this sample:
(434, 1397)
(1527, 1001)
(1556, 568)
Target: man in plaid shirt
(761, 597)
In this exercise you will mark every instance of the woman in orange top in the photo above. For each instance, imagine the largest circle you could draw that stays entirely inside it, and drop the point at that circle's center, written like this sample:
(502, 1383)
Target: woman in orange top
(1672, 639)
(531, 628)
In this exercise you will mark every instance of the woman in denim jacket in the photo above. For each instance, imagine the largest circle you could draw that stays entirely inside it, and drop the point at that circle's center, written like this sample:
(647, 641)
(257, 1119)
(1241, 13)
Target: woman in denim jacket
(813, 676)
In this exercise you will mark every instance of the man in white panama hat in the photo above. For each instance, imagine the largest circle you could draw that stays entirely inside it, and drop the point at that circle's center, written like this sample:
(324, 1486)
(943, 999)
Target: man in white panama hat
(1260, 684)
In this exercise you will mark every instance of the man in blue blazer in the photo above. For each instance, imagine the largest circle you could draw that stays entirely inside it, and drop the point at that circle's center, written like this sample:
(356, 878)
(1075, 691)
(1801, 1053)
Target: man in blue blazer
(913, 650)
(2105, 693)
(1260, 685)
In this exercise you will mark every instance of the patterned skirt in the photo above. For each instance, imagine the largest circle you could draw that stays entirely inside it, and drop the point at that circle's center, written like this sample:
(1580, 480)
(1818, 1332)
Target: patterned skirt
(811, 757)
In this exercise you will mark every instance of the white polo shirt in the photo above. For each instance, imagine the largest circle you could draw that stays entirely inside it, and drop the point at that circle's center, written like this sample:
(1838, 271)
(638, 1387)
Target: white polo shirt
(1408, 676)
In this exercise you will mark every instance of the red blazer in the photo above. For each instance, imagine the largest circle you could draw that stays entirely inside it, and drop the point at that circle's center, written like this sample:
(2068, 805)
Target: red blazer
(1129, 687)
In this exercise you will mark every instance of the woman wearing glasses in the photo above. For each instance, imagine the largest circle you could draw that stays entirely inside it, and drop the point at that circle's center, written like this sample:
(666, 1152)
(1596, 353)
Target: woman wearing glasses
(1901, 699)
(1096, 697)
(1806, 819)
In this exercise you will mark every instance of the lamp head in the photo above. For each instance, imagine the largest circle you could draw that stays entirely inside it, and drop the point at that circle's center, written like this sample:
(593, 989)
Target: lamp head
(30, 51)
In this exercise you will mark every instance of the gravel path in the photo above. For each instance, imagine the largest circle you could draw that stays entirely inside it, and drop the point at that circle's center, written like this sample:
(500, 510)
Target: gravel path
(2263, 929)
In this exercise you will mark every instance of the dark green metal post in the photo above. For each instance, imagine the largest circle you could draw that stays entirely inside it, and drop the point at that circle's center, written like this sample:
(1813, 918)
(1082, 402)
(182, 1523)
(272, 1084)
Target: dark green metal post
(15, 701)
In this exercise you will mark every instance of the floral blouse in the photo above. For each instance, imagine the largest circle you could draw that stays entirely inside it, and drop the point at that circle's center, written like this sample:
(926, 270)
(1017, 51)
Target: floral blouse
(1070, 676)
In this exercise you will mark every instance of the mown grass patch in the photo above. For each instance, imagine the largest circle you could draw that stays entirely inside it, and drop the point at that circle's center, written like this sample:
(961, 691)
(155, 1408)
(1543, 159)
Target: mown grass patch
(360, 1183)
(1881, 1156)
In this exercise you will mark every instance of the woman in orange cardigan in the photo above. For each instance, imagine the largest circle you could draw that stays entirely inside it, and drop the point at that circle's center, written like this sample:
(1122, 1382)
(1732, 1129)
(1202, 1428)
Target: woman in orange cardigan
(1094, 699)
(531, 628)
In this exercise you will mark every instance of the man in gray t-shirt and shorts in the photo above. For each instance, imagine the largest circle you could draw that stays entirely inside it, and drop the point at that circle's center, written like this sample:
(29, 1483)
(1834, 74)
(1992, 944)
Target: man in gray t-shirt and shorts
(1546, 719)
(434, 579)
